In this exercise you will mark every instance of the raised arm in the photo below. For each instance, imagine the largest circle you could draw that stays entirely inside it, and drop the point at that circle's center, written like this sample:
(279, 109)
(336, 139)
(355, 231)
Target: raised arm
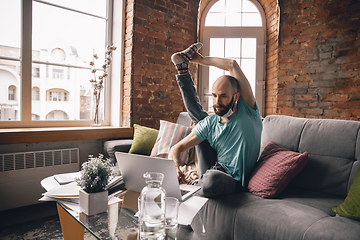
(235, 71)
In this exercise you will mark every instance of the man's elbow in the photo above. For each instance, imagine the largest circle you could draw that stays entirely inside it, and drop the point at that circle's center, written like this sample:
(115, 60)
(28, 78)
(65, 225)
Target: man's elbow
(233, 64)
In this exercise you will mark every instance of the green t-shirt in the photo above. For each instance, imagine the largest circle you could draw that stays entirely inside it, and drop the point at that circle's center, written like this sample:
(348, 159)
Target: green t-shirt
(237, 142)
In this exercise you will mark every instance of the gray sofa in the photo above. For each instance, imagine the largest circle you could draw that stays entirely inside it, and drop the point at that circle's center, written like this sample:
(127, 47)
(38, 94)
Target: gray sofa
(304, 209)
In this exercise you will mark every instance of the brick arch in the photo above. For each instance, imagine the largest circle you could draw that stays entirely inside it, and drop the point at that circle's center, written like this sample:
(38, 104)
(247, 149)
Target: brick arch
(272, 14)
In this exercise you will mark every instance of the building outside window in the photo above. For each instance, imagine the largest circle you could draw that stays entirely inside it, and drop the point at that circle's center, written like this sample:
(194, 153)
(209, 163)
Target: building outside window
(61, 49)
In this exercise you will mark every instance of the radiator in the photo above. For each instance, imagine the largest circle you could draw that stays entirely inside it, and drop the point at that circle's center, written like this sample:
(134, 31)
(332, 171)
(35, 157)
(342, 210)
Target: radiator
(21, 173)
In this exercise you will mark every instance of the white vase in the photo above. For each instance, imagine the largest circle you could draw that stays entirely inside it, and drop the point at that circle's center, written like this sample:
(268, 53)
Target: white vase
(93, 203)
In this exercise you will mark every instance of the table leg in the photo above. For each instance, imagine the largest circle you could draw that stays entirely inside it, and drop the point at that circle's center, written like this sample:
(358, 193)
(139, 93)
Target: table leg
(71, 229)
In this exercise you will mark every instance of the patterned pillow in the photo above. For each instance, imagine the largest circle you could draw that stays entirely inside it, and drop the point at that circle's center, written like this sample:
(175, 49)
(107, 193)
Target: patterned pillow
(170, 134)
(276, 167)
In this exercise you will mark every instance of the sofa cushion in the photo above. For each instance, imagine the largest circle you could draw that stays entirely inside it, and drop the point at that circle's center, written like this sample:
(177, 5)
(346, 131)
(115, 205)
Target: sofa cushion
(331, 145)
(283, 130)
(144, 140)
(274, 219)
(247, 216)
(333, 228)
(351, 206)
(276, 167)
(170, 134)
(319, 200)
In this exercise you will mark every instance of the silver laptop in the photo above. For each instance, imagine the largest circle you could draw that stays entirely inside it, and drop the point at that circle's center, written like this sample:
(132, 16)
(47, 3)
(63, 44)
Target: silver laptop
(133, 166)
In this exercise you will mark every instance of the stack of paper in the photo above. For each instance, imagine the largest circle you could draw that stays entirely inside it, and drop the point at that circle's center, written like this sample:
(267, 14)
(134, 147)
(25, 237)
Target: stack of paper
(67, 195)
(68, 191)
(66, 177)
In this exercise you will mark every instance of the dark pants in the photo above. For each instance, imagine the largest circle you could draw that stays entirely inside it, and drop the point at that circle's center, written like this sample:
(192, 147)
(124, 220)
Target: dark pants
(214, 180)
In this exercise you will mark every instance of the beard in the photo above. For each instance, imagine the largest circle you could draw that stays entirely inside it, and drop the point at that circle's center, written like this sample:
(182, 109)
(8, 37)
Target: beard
(224, 108)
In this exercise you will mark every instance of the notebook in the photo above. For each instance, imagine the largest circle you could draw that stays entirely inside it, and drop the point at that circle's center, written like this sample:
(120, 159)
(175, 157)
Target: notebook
(133, 166)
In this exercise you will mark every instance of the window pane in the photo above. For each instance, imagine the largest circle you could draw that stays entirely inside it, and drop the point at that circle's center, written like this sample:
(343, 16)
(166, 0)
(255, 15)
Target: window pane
(251, 20)
(10, 82)
(248, 47)
(232, 49)
(10, 18)
(248, 6)
(249, 68)
(63, 98)
(234, 14)
(65, 36)
(9, 90)
(217, 47)
(214, 73)
(215, 19)
(219, 6)
(233, 19)
(96, 7)
(233, 6)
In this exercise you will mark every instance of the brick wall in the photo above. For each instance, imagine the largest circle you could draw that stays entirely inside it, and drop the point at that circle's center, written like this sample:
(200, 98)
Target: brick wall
(154, 31)
(312, 59)
(319, 59)
(272, 14)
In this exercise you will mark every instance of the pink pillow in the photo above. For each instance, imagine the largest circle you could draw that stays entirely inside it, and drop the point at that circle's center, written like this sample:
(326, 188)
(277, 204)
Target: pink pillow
(276, 167)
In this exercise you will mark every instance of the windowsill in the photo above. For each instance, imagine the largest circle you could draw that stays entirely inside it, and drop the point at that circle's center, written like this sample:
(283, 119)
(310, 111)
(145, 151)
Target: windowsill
(36, 135)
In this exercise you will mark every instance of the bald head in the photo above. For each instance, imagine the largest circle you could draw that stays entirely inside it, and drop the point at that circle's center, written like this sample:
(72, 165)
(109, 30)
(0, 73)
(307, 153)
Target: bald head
(227, 82)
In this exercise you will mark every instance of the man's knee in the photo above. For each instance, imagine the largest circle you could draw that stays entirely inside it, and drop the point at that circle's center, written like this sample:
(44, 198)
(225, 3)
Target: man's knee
(216, 183)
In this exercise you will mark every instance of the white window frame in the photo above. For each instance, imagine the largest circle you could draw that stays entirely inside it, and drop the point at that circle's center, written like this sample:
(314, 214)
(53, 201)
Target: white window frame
(113, 92)
(233, 32)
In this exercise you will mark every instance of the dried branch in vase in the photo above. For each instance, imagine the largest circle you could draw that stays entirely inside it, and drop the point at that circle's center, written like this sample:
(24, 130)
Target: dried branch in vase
(98, 81)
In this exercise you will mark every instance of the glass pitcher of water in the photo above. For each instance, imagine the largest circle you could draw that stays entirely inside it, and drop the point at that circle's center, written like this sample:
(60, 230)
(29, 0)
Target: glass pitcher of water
(152, 207)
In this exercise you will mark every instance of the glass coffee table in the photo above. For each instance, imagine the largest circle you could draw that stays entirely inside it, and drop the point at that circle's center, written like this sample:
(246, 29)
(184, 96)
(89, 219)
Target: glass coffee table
(119, 222)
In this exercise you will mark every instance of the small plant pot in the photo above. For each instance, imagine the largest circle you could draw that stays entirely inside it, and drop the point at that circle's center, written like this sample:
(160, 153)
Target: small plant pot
(93, 203)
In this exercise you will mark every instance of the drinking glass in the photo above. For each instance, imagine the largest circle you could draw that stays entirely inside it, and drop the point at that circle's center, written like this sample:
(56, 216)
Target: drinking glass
(171, 214)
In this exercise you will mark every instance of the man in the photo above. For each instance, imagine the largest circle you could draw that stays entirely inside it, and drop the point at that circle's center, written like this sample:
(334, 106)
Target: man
(234, 130)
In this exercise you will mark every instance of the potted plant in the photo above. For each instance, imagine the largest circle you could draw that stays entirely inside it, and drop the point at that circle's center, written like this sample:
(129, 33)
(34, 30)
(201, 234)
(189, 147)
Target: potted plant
(94, 177)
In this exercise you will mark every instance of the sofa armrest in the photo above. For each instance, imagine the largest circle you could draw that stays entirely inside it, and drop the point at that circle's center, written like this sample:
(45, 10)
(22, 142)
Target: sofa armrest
(120, 145)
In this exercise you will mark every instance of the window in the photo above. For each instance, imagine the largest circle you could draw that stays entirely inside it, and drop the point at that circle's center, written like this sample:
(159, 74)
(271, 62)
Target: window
(61, 48)
(58, 55)
(57, 95)
(54, 96)
(36, 72)
(234, 29)
(12, 93)
(58, 73)
(35, 96)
